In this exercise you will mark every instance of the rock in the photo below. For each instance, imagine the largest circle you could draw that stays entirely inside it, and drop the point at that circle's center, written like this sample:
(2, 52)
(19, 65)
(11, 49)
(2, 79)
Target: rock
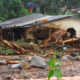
(75, 54)
(31, 43)
(3, 62)
(27, 59)
(25, 75)
(38, 61)
(15, 66)
(16, 58)
(77, 58)
(25, 65)
(8, 77)
(64, 48)
(64, 58)
(71, 57)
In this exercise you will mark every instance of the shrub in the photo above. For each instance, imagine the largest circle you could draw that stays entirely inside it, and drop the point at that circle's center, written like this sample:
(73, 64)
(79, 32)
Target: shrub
(54, 65)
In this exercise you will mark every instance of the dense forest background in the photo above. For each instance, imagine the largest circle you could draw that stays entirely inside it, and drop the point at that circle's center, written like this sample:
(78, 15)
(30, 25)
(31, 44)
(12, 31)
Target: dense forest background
(16, 8)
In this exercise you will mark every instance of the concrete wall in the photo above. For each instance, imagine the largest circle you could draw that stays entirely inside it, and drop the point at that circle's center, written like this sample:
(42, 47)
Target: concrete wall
(67, 23)
(28, 33)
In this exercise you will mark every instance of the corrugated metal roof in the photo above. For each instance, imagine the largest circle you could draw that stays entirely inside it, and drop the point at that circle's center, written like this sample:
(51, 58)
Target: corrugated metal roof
(28, 20)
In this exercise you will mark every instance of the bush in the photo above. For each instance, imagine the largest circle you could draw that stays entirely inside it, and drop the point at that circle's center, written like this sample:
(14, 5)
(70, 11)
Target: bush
(54, 65)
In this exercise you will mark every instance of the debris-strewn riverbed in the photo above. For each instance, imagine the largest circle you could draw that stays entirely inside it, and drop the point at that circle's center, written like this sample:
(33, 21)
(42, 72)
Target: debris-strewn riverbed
(27, 67)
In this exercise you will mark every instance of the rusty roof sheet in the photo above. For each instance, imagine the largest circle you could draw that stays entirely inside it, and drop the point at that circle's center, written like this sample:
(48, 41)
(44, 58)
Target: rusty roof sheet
(29, 20)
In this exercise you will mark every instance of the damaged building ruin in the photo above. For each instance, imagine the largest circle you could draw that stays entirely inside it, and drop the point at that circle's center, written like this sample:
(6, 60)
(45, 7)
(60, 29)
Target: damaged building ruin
(38, 26)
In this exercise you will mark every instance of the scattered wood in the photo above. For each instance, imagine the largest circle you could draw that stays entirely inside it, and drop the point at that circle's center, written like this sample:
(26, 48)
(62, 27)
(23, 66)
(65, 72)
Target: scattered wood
(12, 62)
(57, 37)
(15, 47)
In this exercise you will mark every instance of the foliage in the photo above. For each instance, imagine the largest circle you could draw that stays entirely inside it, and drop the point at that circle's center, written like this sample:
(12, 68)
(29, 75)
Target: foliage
(16, 8)
(20, 42)
(1, 11)
(6, 51)
(54, 65)
(56, 7)
(11, 9)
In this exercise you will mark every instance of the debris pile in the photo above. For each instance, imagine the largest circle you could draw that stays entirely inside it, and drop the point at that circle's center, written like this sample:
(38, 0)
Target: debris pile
(46, 35)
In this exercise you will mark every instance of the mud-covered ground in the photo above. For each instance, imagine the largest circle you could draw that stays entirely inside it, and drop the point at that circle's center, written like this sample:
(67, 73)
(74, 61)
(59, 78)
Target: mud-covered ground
(70, 62)
(69, 68)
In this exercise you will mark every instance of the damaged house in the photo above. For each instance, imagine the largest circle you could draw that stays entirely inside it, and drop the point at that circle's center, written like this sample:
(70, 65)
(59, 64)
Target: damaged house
(38, 26)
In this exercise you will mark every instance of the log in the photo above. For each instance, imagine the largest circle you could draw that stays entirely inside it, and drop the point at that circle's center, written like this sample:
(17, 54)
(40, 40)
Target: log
(12, 62)
(15, 47)
(7, 43)
(70, 40)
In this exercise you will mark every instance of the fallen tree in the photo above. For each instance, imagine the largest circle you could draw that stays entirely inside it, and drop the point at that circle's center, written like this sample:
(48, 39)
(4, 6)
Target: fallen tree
(16, 48)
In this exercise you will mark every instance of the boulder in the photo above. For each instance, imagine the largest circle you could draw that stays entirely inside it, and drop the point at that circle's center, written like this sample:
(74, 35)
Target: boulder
(38, 61)
(15, 66)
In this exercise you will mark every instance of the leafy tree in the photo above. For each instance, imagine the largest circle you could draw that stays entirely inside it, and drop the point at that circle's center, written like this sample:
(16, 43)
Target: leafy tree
(16, 9)
(1, 10)
(57, 6)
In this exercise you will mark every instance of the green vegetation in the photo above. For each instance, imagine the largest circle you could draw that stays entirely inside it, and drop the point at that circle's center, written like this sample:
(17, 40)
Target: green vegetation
(16, 8)
(12, 9)
(20, 42)
(54, 65)
(6, 51)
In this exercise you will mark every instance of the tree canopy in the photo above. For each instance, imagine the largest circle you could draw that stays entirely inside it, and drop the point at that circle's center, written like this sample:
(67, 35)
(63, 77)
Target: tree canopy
(16, 8)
